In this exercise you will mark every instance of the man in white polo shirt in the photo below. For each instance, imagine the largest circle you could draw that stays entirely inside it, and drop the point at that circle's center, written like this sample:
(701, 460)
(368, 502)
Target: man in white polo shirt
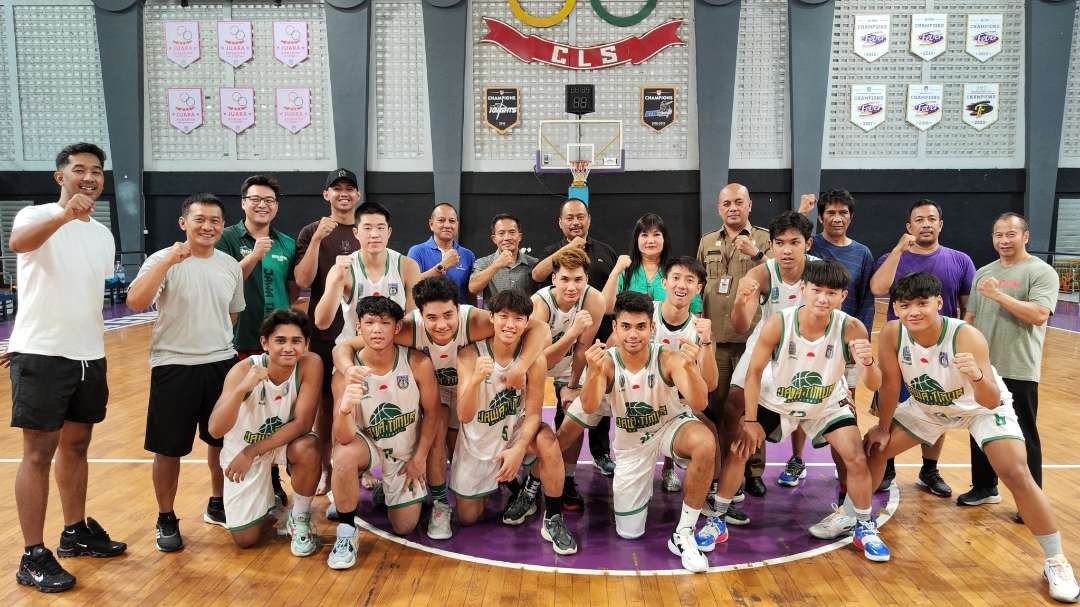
(58, 384)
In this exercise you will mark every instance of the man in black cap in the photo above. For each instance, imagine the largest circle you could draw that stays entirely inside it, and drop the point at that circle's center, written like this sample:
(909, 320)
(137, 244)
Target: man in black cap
(317, 248)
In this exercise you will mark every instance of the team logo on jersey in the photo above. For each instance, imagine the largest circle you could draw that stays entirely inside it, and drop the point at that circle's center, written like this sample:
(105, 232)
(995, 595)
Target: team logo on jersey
(266, 429)
(905, 355)
(791, 351)
(829, 351)
(943, 359)
(806, 387)
(505, 404)
(774, 294)
(403, 382)
(622, 380)
(652, 380)
(394, 288)
(388, 420)
(447, 376)
(928, 391)
(639, 416)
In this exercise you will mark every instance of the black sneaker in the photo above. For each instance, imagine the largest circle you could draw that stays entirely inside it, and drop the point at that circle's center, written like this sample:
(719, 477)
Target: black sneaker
(604, 464)
(275, 482)
(887, 480)
(931, 481)
(94, 541)
(571, 499)
(735, 516)
(168, 534)
(215, 512)
(979, 496)
(41, 570)
(755, 486)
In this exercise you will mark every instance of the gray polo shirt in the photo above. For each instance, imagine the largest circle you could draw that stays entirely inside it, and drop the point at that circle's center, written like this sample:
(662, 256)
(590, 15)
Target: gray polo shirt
(517, 276)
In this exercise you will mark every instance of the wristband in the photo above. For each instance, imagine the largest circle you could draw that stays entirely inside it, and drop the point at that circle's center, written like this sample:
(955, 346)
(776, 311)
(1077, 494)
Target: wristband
(982, 376)
(759, 256)
(873, 361)
(706, 343)
(750, 421)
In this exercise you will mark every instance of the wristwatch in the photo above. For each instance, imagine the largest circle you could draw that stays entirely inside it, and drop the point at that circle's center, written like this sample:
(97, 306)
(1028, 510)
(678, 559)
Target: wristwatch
(759, 256)
(440, 269)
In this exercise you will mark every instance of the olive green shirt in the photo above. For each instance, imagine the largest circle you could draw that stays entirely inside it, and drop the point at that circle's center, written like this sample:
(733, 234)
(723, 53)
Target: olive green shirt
(718, 254)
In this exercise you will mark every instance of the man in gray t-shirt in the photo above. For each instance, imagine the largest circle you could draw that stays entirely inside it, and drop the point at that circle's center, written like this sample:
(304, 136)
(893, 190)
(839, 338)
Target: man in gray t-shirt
(199, 292)
(1011, 304)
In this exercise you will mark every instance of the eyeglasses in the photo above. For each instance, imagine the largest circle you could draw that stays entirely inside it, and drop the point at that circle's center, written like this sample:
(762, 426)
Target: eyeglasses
(267, 200)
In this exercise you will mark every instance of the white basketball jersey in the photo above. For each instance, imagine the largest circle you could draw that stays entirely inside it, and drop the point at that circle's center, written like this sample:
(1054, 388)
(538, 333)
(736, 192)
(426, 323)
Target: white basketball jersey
(642, 401)
(498, 416)
(664, 336)
(781, 296)
(806, 376)
(560, 322)
(390, 285)
(932, 380)
(444, 358)
(265, 409)
(389, 412)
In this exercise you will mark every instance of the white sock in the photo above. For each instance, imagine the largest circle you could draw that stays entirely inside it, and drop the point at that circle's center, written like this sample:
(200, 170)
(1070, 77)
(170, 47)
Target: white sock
(863, 515)
(849, 507)
(300, 504)
(1051, 543)
(721, 504)
(688, 518)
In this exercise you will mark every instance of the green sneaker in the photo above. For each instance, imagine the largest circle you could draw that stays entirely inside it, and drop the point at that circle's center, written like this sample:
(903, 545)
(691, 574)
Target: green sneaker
(555, 531)
(305, 539)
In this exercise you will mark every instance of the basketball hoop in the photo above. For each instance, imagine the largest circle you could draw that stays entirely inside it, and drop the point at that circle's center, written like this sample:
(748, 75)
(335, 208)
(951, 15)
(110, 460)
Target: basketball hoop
(580, 170)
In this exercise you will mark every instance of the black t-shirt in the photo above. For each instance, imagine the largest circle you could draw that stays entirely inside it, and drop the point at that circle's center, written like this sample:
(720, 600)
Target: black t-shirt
(601, 265)
(341, 241)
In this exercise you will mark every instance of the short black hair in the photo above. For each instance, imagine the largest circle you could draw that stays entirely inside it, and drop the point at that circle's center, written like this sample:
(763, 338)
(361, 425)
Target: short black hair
(377, 305)
(828, 197)
(201, 198)
(436, 288)
(282, 316)
(264, 180)
(828, 274)
(569, 200)
(924, 202)
(690, 263)
(64, 157)
(371, 208)
(633, 302)
(915, 285)
(1012, 215)
(790, 220)
(513, 300)
(502, 216)
(437, 205)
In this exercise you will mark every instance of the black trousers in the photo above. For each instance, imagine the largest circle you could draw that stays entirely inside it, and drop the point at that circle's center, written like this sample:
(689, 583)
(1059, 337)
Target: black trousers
(599, 437)
(1026, 403)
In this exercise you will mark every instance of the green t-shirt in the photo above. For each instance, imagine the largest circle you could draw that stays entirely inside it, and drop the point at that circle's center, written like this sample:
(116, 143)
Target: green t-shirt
(654, 288)
(1015, 346)
(266, 289)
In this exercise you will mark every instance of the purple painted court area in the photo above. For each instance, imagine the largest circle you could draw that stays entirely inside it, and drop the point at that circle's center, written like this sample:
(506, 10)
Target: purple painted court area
(778, 528)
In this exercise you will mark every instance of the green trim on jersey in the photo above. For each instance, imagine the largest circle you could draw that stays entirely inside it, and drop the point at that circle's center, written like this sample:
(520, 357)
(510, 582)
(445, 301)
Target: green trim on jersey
(634, 511)
(779, 344)
(999, 437)
(468, 327)
(403, 504)
(568, 415)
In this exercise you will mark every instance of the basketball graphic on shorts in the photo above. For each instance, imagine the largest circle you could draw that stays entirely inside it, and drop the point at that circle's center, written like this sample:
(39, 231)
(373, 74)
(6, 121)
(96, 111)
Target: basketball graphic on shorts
(447, 376)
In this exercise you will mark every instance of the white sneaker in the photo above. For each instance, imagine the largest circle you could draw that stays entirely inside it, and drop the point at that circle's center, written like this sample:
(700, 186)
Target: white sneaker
(682, 544)
(347, 544)
(833, 526)
(439, 524)
(1059, 575)
(671, 482)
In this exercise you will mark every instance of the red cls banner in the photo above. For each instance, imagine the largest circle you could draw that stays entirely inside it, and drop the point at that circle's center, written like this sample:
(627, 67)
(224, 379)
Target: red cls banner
(634, 49)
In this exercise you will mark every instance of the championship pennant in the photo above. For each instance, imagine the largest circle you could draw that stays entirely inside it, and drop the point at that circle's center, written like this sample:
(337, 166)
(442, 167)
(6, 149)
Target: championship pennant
(924, 105)
(984, 34)
(182, 44)
(502, 108)
(294, 108)
(291, 42)
(867, 105)
(185, 108)
(658, 107)
(234, 42)
(929, 35)
(871, 36)
(980, 105)
(237, 108)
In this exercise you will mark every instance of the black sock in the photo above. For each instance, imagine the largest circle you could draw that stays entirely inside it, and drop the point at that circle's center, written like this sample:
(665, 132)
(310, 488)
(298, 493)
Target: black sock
(890, 467)
(532, 486)
(713, 487)
(30, 549)
(928, 465)
(79, 527)
(348, 517)
(552, 506)
(166, 517)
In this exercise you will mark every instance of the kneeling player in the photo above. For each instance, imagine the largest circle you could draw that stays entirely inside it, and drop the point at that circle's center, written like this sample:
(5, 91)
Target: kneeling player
(643, 381)
(945, 364)
(264, 415)
(797, 374)
(500, 425)
(386, 418)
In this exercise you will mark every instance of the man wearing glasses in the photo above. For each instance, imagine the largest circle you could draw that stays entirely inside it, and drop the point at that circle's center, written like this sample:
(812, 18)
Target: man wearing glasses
(266, 258)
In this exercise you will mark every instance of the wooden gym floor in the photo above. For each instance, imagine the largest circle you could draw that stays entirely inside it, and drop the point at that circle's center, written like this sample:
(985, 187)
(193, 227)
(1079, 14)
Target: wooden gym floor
(942, 554)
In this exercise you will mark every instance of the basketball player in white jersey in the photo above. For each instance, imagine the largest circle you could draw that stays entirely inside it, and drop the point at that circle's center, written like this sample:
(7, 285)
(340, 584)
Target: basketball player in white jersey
(643, 382)
(386, 418)
(439, 327)
(373, 270)
(797, 374)
(500, 426)
(264, 416)
(769, 287)
(945, 364)
(573, 311)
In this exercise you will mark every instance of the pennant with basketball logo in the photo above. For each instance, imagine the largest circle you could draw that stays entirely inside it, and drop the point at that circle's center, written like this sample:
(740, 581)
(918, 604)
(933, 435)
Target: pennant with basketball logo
(234, 42)
(185, 108)
(294, 109)
(182, 45)
(237, 108)
(291, 42)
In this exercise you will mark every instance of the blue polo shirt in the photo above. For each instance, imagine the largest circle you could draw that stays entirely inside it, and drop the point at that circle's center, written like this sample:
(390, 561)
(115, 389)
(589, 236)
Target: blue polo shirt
(428, 255)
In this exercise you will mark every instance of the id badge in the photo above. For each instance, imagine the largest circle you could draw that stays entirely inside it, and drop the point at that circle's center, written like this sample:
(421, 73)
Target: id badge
(723, 285)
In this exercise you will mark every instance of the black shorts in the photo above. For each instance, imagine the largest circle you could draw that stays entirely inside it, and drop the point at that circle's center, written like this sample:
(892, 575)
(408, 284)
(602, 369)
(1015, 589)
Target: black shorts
(46, 391)
(181, 399)
(325, 350)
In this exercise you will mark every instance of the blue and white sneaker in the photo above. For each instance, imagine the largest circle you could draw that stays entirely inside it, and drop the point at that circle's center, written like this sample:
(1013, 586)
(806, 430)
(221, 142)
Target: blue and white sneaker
(866, 538)
(346, 545)
(713, 532)
(794, 472)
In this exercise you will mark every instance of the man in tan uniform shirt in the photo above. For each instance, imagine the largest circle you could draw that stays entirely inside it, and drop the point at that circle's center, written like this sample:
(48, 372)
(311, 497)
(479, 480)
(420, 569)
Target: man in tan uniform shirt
(728, 254)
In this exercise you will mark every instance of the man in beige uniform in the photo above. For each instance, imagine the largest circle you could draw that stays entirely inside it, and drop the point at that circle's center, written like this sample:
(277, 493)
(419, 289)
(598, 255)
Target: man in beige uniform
(728, 254)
